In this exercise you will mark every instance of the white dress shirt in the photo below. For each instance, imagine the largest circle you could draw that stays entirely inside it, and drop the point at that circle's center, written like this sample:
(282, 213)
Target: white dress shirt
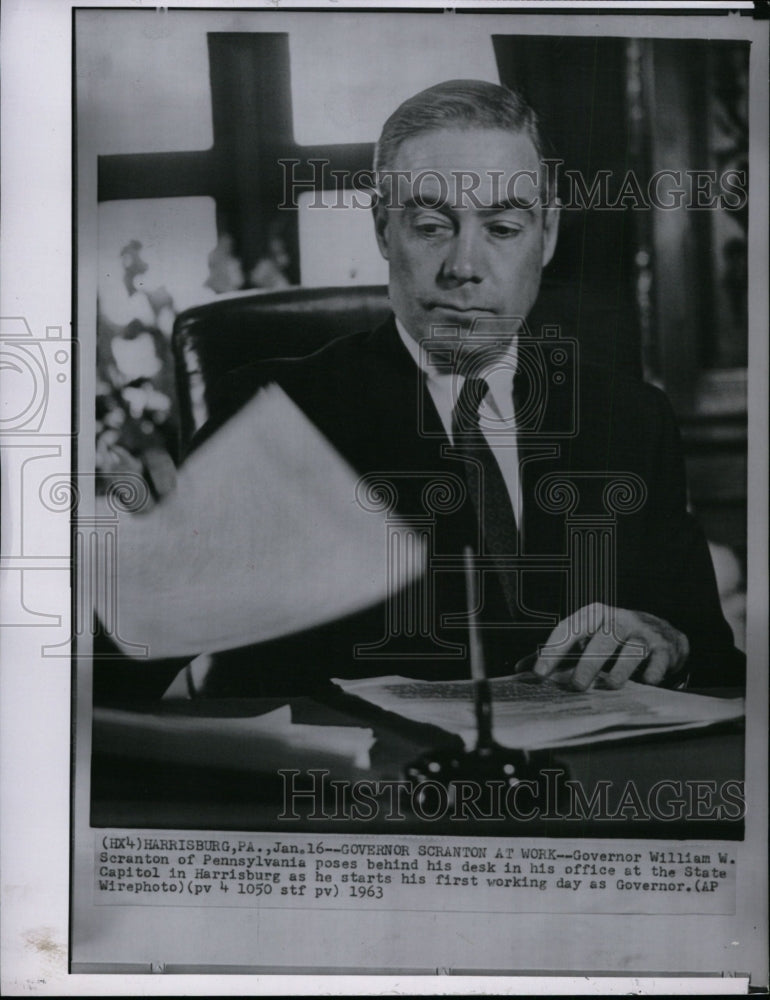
(497, 419)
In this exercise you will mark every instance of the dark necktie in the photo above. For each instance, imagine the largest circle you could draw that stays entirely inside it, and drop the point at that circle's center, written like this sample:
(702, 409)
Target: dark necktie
(486, 486)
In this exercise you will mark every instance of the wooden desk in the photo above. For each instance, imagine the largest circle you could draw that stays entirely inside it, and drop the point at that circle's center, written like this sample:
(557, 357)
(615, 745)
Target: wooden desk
(147, 793)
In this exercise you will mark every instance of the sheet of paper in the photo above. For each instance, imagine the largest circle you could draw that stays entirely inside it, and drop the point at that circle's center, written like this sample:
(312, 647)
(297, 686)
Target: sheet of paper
(265, 535)
(256, 743)
(531, 712)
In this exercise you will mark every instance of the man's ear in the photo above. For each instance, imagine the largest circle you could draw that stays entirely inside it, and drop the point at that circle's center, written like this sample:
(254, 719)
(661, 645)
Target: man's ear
(380, 214)
(550, 229)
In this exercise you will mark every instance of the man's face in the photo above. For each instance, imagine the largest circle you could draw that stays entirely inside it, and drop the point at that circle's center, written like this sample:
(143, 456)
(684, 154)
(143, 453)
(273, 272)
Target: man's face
(459, 251)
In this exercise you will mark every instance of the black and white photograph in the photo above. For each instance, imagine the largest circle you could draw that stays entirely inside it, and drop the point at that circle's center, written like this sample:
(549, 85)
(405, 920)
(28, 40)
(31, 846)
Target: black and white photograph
(403, 446)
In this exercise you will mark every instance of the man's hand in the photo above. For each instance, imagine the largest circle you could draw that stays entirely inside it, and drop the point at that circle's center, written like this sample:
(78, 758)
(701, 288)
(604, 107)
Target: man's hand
(616, 641)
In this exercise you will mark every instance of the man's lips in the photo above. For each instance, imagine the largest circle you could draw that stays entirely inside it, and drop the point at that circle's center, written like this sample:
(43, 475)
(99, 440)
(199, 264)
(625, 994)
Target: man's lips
(452, 307)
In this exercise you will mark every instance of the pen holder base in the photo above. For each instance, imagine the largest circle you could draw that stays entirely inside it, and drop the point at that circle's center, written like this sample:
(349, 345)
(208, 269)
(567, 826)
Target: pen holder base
(495, 769)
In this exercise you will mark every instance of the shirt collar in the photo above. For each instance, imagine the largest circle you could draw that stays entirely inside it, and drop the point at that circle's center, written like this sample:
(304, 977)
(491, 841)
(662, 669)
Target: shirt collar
(499, 375)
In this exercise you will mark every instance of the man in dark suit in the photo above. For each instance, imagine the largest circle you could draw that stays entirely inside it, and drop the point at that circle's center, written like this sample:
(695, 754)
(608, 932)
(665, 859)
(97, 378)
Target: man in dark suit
(565, 480)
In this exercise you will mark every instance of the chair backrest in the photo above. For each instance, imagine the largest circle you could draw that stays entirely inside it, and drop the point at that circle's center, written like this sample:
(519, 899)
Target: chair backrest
(215, 338)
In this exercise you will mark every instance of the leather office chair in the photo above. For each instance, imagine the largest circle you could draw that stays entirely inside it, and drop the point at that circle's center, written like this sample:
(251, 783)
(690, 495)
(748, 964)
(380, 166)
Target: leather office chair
(215, 338)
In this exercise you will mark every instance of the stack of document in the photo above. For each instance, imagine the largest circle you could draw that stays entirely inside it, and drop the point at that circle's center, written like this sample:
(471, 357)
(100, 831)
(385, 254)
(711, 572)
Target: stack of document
(531, 712)
(262, 743)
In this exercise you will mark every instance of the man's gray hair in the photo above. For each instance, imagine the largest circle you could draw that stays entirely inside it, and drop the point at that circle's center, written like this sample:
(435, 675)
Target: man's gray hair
(459, 104)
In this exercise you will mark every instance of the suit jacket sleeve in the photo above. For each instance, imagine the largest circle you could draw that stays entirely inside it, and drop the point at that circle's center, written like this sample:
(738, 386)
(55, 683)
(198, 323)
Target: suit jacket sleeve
(682, 585)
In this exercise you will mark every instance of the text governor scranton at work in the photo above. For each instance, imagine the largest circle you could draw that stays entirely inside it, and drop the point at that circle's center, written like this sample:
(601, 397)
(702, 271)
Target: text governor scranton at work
(469, 430)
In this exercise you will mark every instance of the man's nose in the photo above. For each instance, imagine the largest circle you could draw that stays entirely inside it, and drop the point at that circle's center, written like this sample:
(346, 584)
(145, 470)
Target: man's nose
(465, 258)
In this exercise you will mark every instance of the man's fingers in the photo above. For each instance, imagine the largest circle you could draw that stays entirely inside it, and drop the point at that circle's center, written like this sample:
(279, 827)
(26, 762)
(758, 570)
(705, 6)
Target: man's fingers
(550, 659)
(526, 663)
(632, 653)
(661, 661)
(683, 651)
(572, 631)
(598, 631)
(599, 650)
(667, 658)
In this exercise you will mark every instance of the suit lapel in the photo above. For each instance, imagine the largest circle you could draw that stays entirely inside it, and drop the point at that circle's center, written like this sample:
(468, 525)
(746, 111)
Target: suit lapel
(398, 412)
(369, 398)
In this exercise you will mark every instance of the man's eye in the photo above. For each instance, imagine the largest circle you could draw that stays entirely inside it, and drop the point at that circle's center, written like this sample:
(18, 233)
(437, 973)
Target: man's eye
(503, 230)
(432, 227)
